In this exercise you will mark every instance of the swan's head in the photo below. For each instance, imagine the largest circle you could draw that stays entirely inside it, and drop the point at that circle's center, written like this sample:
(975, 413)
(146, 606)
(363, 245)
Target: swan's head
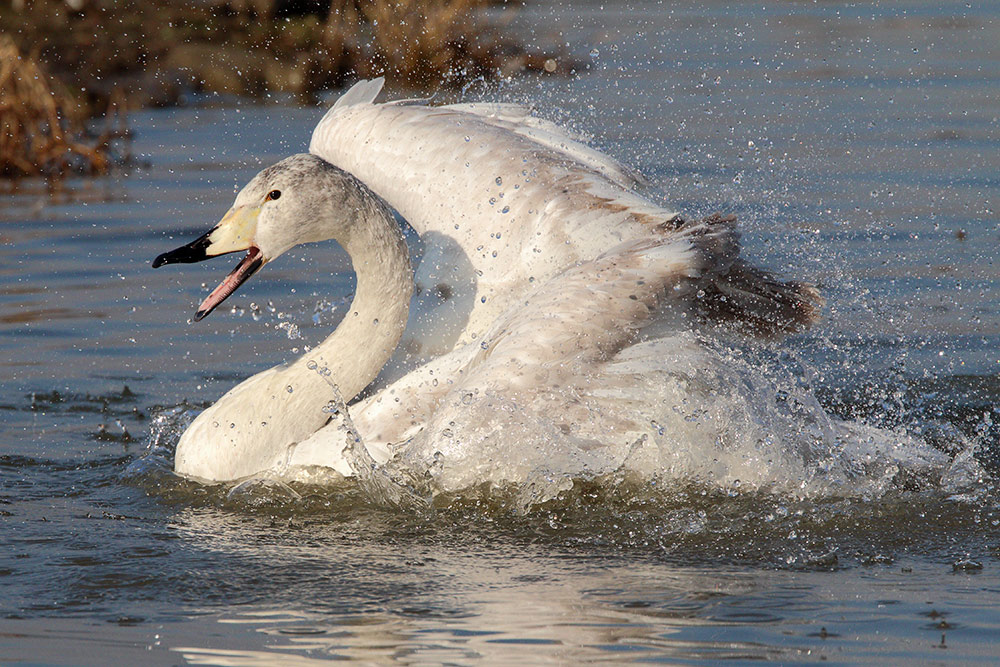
(298, 200)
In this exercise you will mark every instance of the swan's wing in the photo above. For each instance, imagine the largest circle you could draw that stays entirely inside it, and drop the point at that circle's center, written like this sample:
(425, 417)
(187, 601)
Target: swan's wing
(476, 175)
(576, 321)
(505, 203)
(520, 119)
(537, 385)
(562, 371)
(501, 204)
(517, 118)
(363, 92)
(582, 316)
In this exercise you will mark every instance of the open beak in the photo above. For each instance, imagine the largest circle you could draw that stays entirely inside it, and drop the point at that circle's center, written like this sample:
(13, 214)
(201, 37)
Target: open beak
(233, 234)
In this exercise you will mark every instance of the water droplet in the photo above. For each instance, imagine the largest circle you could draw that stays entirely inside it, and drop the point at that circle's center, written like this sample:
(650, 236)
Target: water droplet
(499, 181)
(289, 389)
(291, 329)
(505, 209)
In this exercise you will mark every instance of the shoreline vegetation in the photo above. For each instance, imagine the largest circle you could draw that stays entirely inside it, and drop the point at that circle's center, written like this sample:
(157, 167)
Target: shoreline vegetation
(70, 69)
(45, 132)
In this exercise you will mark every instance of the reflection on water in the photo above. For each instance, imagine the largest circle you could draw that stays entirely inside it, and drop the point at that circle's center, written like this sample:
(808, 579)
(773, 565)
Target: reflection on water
(304, 589)
(857, 144)
(505, 610)
(379, 588)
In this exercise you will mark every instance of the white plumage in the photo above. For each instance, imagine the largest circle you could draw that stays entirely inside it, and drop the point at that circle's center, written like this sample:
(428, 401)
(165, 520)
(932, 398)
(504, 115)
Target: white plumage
(503, 201)
(528, 344)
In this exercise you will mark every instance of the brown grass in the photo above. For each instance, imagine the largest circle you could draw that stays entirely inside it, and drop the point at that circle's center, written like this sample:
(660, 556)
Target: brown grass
(44, 131)
(85, 63)
(421, 42)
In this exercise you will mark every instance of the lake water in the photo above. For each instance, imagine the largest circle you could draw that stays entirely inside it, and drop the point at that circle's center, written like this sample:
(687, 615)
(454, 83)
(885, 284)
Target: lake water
(861, 148)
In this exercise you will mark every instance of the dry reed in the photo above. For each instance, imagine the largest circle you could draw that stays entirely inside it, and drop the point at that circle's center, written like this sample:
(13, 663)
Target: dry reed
(421, 42)
(156, 53)
(44, 131)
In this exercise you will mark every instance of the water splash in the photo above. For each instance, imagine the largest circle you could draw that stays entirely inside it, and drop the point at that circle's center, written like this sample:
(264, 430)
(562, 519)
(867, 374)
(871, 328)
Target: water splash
(380, 487)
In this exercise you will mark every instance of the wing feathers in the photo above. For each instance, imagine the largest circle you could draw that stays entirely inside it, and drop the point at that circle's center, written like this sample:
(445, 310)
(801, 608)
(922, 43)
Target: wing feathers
(519, 119)
(738, 293)
(363, 92)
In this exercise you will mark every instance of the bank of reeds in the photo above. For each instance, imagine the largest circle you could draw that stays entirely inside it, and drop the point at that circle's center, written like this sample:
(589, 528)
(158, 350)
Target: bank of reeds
(43, 131)
(158, 51)
(143, 53)
(424, 42)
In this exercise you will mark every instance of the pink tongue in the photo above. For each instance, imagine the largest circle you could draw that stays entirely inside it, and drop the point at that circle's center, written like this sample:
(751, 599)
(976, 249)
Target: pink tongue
(247, 266)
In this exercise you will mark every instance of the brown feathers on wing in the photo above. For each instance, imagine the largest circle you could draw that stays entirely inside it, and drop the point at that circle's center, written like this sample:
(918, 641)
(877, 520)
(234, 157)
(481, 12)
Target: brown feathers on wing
(735, 292)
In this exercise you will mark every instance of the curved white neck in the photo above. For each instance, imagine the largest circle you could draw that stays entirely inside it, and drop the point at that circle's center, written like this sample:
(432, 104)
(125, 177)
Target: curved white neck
(251, 428)
(367, 336)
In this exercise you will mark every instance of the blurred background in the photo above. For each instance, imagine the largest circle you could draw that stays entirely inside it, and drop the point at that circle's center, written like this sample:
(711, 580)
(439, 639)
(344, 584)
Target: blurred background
(66, 62)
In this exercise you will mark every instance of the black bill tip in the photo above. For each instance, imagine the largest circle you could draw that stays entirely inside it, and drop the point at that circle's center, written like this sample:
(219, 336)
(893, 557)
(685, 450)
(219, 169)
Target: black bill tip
(186, 254)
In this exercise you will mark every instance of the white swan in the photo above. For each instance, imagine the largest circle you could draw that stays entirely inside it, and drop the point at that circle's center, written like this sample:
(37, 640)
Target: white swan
(541, 276)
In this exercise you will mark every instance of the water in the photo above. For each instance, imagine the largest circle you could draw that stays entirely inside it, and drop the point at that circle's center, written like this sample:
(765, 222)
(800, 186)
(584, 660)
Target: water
(859, 147)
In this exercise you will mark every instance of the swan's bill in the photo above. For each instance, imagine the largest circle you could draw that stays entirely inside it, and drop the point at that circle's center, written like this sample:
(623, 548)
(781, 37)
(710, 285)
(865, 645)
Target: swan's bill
(195, 251)
(235, 232)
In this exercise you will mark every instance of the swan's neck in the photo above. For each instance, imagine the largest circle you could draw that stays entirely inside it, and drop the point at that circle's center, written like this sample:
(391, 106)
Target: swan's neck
(367, 336)
(251, 428)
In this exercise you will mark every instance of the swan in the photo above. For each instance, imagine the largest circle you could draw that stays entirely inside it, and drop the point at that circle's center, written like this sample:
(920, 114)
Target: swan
(298, 200)
(550, 299)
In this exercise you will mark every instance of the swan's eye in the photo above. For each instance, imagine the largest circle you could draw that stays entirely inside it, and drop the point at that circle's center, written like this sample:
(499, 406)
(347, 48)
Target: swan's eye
(272, 195)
